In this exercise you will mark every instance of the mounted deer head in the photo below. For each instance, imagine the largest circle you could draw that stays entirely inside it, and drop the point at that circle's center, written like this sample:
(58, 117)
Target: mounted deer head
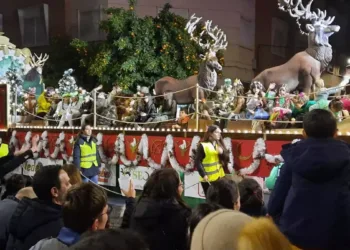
(38, 62)
(319, 29)
(218, 38)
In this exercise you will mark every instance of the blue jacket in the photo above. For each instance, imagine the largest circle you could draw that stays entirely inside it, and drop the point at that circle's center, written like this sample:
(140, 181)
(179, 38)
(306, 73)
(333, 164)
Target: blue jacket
(311, 199)
(90, 172)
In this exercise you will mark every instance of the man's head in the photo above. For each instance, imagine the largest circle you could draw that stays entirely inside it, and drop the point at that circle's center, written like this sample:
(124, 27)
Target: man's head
(319, 123)
(51, 183)
(85, 208)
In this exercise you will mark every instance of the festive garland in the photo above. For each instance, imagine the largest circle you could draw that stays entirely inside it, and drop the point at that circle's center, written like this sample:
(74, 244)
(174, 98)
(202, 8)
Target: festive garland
(258, 153)
(14, 143)
(167, 153)
(43, 145)
(142, 152)
(274, 159)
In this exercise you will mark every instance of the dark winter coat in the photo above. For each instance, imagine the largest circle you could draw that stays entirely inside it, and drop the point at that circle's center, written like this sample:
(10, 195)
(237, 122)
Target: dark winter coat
(311, 199)
(163, 224)
(33, 221)
(7, 208)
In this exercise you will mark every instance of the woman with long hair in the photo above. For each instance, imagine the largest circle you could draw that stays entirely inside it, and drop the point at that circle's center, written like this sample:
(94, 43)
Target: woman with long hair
(160, 215)
(211, 157)
(73, 173)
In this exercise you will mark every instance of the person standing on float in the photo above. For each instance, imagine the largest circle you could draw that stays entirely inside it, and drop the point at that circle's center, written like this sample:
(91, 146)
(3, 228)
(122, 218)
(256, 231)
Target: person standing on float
(85, 155)
(4, 149)
(211, 157)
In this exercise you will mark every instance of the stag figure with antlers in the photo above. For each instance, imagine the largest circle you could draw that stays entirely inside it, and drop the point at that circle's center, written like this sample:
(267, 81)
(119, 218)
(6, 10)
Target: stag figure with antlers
(303, 71)
(207, 77)
(32, 78)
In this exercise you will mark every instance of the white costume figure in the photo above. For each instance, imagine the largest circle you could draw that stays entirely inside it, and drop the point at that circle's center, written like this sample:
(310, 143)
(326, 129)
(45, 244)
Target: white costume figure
(67, 88)
(63, 112)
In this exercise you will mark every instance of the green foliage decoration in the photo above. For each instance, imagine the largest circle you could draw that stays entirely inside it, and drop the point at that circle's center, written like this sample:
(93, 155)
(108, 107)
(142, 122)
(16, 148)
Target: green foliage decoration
(140, 50)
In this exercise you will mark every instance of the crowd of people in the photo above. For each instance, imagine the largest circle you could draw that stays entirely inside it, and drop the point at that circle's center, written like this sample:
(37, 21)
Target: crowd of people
(308, 209)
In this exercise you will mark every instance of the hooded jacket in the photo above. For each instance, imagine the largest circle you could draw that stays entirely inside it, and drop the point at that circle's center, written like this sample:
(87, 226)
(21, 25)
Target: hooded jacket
(163, 224)
(311, 199)
(33, 221)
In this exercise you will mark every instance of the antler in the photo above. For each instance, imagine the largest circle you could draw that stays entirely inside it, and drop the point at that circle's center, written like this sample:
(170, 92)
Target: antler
(215, 33)
(39, 61)
(191, 26)
(219, 37)
(297, 10)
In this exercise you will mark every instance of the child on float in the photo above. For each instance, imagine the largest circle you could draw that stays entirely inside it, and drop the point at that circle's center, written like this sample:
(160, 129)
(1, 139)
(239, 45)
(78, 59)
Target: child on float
(63, 110)
(255, 102)
(282, 109)
(300, 106)
(336, 106)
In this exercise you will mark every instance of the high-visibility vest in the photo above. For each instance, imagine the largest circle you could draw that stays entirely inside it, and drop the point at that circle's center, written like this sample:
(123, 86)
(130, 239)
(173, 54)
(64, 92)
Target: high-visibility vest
(4, 150)
(211, 162)
(88, 155)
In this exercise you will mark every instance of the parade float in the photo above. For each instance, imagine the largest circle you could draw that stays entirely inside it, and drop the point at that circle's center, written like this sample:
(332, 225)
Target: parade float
(138, 133)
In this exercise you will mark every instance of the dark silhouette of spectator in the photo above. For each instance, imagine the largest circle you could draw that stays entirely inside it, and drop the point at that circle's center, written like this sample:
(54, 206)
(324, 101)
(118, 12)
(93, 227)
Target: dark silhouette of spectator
(7, 208)
(110, 239)
(84, 209)
(311, 198)
(15, 183)
(37, 219)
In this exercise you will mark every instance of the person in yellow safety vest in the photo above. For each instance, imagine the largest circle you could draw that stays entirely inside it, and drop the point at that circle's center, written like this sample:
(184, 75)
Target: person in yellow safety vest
(211, 157)
(4, 149)
(85, 155)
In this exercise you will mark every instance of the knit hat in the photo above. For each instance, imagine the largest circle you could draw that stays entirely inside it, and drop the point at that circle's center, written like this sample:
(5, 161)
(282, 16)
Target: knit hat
(219, 230)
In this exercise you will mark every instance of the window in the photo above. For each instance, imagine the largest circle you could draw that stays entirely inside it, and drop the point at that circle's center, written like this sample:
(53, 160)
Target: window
(279, 37)
(89, 25)
(34, 25)
(1, 23)
(247, 33)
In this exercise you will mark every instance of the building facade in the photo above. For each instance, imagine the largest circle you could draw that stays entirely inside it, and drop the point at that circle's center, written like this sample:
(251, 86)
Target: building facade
(31, 23)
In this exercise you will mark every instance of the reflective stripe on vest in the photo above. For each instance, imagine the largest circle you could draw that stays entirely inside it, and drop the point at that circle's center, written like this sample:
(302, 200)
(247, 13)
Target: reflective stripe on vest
(211, 162)
(4, 150)
(88, 156)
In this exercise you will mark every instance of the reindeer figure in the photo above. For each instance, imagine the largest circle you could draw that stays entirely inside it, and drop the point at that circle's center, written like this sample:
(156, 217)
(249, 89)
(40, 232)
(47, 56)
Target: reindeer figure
(207, 77)
(303, 71)
(33, 73)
